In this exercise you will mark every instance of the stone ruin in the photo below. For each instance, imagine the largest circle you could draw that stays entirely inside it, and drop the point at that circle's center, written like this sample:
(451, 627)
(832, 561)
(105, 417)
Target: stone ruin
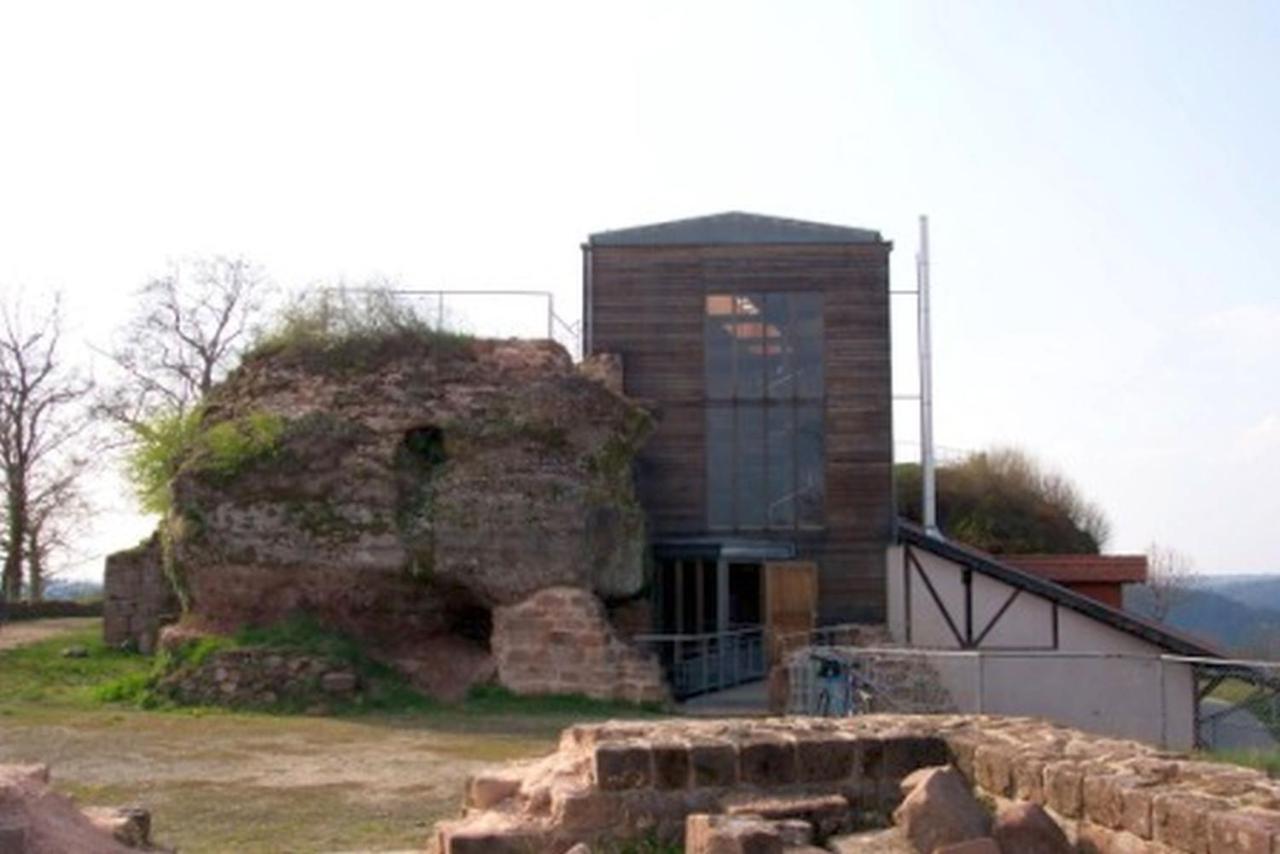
(452, 504)
(36, 820)
(991, 785)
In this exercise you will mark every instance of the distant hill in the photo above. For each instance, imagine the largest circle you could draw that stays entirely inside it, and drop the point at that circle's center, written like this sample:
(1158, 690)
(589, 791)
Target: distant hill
(73, 590)
(1256, 591)
(1230, 616)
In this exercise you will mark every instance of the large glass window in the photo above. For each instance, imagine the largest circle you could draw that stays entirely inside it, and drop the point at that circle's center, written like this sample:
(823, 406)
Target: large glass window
(764, 388)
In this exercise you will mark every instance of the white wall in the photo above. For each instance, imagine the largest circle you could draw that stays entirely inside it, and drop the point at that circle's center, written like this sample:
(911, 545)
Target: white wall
(1120, 688)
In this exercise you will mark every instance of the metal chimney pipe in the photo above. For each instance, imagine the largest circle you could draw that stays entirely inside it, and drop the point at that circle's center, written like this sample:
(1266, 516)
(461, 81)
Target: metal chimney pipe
(928, 493)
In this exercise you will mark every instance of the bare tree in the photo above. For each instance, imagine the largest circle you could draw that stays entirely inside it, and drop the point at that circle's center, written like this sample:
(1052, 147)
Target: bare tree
(191, 325)
(1171, 578)
(40, 420)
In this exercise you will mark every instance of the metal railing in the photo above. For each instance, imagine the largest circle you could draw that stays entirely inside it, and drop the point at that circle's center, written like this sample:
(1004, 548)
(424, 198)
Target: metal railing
(713, 661)
(496, 314)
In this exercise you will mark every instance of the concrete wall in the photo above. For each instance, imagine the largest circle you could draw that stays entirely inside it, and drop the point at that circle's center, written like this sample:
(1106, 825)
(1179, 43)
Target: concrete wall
(1084, 673)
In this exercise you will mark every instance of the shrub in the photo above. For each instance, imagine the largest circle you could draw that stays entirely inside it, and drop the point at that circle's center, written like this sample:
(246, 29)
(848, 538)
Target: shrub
(226, 447)
(156, 454)
(351, 329)
(171, 442)
(1005, 502)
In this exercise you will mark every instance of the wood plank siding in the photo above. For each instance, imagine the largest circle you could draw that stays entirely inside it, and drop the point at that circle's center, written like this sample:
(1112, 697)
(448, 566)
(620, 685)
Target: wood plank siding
(646, 304)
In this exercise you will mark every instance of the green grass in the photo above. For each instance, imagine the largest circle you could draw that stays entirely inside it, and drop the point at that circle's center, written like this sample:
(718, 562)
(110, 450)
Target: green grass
(39, 673)
(1263, 760)
(386, 691)
(221, 780)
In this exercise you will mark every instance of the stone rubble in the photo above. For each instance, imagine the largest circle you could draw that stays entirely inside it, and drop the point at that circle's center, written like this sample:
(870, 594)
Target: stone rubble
(941, 811)
(621, 781)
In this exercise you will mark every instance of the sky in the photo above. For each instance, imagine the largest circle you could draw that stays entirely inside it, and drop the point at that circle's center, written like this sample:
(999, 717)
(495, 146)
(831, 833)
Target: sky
(1102, 181)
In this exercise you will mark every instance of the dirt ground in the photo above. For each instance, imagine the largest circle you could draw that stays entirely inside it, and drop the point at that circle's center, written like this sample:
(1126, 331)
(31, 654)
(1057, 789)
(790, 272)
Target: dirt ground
(29, 631)
(250, 782)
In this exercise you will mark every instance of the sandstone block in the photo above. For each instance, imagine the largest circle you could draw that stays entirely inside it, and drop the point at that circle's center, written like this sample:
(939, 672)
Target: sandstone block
(915, 778)
(766, 760)
(587, 810)
(670, 765)
(720, 834)
(1028, 829)
(825, 759)
(982, 845)
(1135, 806)
(130, 826)
(488, 789)
(1181, 819)
(1103, 798)
(992, 769)
(1244, 831)
(904, 754)
(827, 814)
(714, 763)
(623, 766)
(941, 811)
(1028, 779)
(962, 746)
(1095, 839)
(1063, 784)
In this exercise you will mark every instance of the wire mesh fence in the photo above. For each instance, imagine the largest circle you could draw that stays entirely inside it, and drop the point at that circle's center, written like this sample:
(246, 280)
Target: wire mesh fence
(1177, 701)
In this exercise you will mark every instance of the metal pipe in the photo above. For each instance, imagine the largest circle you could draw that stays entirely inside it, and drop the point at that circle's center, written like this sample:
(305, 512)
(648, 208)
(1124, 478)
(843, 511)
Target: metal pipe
(928, 496)
(588, 322)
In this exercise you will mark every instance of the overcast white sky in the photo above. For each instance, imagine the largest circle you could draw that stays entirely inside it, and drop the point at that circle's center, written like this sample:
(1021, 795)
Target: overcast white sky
(1103, 181)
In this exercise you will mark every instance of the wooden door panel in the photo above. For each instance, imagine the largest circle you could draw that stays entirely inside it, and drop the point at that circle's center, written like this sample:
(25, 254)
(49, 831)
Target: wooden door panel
(791, 601)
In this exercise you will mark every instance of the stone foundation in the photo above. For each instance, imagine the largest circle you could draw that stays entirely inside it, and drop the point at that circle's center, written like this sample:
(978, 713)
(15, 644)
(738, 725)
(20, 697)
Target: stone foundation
(137, 598)
(560, 641)
(619, 781)
(262, 678)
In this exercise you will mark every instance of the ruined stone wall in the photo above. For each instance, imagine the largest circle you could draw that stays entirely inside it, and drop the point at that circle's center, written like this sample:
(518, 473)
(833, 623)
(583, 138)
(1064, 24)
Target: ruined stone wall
(138, 598)
(560, 641)
(404, 491)
(621, 780)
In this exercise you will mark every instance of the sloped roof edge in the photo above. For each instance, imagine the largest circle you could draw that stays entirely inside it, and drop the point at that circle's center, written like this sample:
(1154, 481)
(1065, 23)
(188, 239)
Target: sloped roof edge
(734, 227)
(1174, 642)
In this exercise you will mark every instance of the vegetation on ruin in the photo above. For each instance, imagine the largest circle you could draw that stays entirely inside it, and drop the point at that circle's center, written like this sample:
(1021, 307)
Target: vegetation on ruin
(386, 692)
(171, 443)
(1005, 501)
(342, 329)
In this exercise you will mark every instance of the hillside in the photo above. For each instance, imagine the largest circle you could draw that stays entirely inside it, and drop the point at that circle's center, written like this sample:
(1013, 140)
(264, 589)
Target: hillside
(1256, 591)
(1220, 616)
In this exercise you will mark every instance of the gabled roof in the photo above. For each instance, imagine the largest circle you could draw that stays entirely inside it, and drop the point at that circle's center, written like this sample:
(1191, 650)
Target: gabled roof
(979, 561)
(733, 227)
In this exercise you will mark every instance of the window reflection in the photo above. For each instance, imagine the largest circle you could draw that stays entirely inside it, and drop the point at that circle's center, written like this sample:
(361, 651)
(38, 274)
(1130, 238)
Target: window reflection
(764, 384)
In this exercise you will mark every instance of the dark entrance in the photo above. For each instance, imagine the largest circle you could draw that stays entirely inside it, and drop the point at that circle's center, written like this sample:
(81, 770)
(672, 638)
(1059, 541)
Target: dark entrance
(709, 609)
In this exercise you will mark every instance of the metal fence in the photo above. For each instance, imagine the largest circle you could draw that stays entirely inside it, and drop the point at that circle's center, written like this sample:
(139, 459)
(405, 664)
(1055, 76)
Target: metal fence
(1170, 700)
(496, 314)
(701, 663)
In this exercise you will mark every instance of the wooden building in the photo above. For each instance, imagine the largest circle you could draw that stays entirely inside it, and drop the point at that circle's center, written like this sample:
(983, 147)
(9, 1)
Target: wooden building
(763, 346)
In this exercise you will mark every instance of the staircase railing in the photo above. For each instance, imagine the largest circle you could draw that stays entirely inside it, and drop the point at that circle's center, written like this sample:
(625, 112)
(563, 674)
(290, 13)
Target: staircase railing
(712, 661)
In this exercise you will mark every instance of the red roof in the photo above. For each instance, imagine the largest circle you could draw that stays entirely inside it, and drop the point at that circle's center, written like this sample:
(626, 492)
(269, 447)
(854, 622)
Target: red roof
(1075, 569)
